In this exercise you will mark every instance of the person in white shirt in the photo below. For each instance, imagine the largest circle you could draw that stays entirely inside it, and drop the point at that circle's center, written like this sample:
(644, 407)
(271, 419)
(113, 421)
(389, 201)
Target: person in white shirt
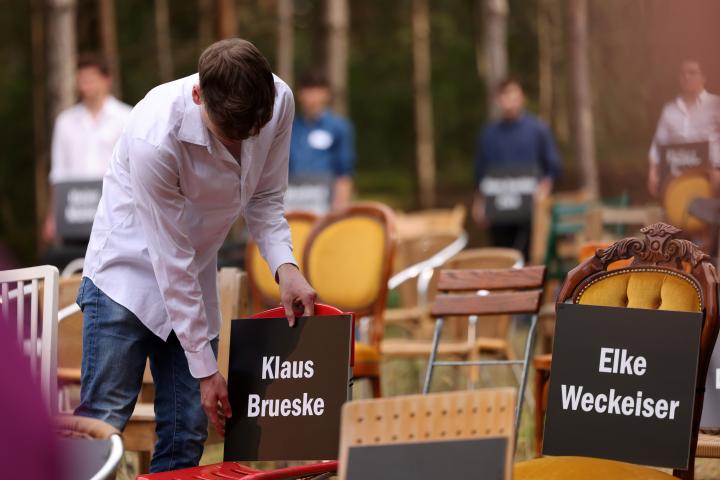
(694, 116)
(197, 153)
(85, 134)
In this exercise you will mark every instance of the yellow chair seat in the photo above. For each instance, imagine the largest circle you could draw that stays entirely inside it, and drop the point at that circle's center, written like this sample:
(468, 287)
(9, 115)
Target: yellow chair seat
(582, 468)
(680, 192)
(365, 353)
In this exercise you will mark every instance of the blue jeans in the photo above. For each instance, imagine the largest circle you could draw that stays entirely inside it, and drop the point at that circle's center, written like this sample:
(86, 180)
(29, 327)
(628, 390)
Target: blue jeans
(116, 346)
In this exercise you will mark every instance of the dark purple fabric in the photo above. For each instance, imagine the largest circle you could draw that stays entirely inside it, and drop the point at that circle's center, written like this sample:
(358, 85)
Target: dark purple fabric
(27, 441)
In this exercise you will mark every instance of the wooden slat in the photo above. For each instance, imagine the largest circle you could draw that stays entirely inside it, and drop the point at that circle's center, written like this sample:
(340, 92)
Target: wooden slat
(423, 418)
(20, 311)
(491, 279)
(34, 320)
(5, 302)
(494, 304)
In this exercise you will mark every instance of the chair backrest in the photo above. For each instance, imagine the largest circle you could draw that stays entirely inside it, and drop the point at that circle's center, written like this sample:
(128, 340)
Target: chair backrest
(233, 288)
(502, 291)
(265, 291)
(422, 418)
(439, 221)
(348, 259)
(677, 194)
(36, 330)
(666, 273)
(599, 218)
(70, 329)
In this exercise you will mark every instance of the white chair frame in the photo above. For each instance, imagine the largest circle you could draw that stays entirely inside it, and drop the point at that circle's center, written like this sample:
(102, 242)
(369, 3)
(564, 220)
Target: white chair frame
(46, 345)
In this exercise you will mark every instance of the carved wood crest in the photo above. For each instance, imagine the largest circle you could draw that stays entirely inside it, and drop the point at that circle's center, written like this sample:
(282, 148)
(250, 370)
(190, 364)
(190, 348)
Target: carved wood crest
(660, 247)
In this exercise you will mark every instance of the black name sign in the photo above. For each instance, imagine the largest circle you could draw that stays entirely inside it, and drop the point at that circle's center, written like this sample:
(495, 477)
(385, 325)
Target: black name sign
(482, 458)
(287, 387)
(75, 207)
(622, 385)
(711, 405)
(509, 194)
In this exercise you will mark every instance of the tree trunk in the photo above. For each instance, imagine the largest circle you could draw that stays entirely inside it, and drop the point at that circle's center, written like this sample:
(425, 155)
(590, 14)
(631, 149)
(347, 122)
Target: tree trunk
(108, 41)
(545, 59)
(226, 19)
(582, 115)
(425, 143)
(495, 47)
(162, 39)
(338, 15)
(40, 126)
(285, 40)
(206, 23)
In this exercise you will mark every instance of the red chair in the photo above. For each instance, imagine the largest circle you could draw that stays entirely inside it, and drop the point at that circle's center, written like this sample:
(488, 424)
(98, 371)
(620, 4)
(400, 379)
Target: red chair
(235, 470)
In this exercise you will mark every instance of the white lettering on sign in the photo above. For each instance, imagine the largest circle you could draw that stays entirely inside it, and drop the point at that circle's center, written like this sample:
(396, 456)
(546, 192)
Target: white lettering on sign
(615, 360)
(298, 407)
(81, 205)
(273, 369)
(679, 158)
(574, 397)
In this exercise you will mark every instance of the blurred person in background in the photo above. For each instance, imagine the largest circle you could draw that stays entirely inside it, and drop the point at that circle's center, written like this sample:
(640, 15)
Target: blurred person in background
(83, 140)
(694, 116)
(516, 164)
(322, 151)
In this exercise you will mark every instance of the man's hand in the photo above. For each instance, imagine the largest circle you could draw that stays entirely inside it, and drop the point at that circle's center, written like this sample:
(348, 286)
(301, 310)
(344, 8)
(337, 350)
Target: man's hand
(544, 189)
(653, 180)
(214, 399)
(296, 295)
(49, 230)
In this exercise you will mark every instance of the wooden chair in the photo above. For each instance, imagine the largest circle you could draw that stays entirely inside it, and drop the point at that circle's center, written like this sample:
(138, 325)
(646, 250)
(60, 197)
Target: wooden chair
(471, 336)
(139, 433)
(36, 327)
(263, 287)
(347, 259)
(603, 223)
(494, 292)
(667, 274)
(421, 418)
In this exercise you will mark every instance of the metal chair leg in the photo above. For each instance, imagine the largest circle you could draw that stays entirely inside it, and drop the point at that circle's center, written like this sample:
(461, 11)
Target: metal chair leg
(433, 354)
(523, 383)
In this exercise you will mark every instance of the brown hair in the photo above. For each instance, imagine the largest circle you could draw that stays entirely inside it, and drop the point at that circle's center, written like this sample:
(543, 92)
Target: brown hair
(237, 87)
(313, 79)
(93, 60)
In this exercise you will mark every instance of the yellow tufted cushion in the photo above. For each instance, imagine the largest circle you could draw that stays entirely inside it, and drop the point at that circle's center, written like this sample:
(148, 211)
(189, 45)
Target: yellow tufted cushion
(678, 195)
(262, 277)
(638, 289)
(581, 468)
(345, 262)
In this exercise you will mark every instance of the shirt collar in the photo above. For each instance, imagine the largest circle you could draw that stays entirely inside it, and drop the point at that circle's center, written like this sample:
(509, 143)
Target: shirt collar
(701, 98)
(192, 128)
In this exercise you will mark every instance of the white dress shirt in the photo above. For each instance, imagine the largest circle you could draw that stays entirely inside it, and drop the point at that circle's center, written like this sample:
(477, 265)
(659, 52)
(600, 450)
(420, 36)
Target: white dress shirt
(701, 123)
(169, 199)
(82, 145)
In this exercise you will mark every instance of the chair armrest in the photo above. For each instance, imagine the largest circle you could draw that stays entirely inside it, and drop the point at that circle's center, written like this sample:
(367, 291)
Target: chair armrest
(413, 271)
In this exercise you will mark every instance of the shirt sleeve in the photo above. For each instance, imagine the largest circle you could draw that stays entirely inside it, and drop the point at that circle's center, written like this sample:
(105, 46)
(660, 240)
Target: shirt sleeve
(659, 138)
(345, 165)
(160, 205)
(479, 158)
(549, 156)
(58, 151)
(265, 211)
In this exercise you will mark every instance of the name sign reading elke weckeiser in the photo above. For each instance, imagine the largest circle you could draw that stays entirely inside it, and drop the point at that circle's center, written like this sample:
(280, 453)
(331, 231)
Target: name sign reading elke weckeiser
(287, 387)
(622, 384)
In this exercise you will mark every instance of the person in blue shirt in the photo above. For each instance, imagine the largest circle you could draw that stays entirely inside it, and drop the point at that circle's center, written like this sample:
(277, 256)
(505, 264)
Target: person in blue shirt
(515, 157)
(322, 151)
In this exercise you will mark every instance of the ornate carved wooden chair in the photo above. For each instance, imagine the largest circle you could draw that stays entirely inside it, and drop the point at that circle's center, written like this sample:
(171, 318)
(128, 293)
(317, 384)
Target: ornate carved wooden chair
(667, 273)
